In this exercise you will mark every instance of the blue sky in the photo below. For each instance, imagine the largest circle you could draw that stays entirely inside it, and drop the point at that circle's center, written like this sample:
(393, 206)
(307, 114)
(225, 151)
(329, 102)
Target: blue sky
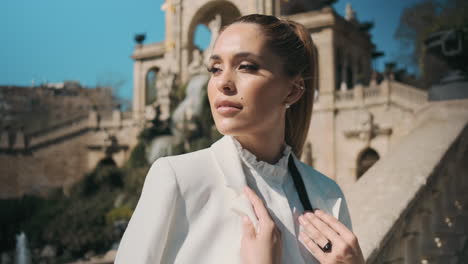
(91, 40)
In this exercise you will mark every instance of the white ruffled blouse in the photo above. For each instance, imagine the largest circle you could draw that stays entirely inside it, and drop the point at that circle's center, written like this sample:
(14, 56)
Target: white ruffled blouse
(274, 184)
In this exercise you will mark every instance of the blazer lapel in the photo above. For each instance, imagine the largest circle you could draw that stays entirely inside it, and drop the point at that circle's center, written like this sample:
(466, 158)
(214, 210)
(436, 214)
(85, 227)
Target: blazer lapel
(227, 158)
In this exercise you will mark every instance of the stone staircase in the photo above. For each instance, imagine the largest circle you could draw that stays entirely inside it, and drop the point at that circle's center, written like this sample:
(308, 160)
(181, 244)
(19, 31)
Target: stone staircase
(16, 142)
(412, 205)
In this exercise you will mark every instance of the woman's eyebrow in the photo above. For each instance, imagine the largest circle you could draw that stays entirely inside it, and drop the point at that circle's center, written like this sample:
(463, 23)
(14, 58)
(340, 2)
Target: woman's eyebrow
(215, 57)
(239, 55)
(247, 55)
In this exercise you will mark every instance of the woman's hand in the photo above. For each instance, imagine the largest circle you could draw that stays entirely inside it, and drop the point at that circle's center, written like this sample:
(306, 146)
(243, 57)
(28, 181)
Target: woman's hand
(320, 229)
(262, 246)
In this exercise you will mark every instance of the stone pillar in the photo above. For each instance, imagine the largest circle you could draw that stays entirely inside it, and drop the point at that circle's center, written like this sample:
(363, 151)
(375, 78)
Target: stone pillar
(344, 75)
(326, 163)
(20, 142)
(138, 90)
(4, 144)
(411, 248)
(117, 117)
(359, 94)
(93, 119)
(385, 91)
(426, 238)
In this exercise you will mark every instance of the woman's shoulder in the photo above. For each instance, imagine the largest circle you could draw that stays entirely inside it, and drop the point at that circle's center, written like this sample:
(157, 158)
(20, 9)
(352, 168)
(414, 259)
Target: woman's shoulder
(187, 169)
(187, 161)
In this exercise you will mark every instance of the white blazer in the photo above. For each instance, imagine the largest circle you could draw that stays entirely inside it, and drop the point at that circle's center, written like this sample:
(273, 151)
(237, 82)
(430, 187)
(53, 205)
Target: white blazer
(189, 208)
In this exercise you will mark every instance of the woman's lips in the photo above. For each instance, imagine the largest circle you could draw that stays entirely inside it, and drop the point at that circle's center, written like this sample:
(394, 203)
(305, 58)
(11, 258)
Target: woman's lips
(228, 108)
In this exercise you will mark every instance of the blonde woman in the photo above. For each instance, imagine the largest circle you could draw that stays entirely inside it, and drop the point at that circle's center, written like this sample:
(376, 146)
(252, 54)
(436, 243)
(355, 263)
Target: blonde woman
(247, 198)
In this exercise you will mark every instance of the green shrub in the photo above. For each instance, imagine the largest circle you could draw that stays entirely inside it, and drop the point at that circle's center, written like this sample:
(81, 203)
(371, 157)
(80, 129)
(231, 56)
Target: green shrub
(137, 158)
(119, 213)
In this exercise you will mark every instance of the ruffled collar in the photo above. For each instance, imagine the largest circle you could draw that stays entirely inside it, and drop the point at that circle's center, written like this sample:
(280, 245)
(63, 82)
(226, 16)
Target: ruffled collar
(273, 173)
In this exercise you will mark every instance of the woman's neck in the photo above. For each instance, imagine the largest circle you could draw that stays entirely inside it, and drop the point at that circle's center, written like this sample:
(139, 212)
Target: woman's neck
(266, 147)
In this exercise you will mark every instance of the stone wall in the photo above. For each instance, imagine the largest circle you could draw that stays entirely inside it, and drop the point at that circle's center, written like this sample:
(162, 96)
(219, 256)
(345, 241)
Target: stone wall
(411, 206)
(59, 157)
(58, 165)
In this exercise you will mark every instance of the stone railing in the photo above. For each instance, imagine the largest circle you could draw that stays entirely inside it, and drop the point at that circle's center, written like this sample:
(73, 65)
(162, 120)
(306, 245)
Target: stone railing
(18, 141)
(385, 93)
(407, 95)
(58, 126)
(344, 95)
(372, 92)
(411, 207)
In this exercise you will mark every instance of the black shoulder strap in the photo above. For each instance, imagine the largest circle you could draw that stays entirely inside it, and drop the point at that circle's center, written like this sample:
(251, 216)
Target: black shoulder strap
(299, 184)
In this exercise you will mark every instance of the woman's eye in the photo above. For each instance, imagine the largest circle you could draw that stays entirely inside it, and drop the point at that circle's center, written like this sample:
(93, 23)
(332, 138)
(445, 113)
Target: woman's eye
(249, 67)
(213, 70)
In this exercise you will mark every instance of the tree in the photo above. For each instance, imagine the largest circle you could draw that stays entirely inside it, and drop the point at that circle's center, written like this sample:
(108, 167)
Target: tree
(417, 23)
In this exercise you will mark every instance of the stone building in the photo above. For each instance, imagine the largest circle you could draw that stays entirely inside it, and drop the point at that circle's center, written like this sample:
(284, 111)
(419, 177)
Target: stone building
(50, 136)
(356, 123)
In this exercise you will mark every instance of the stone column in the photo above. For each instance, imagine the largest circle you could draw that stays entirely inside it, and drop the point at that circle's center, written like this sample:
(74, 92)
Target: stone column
(359, 94)
(426, 238)
(19, 140)
(344, 75)
(138, 90)
(411, 248)
(117, 117)
(93, 119)
(326, 163)
(4, 139)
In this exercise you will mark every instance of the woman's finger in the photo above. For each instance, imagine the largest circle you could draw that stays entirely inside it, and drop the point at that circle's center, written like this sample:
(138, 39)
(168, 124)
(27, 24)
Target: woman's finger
(258, 206)
(313, 248)
(248, 228)
(336, 225)
(313, 232)
(324, 228)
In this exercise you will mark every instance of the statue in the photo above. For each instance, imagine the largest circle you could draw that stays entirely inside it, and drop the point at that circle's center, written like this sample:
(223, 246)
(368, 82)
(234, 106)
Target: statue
(196, 66)
(350, 13)
(214, 26)
(164, 87)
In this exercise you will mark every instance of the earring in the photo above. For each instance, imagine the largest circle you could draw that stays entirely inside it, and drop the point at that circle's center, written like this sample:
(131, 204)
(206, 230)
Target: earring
(301, 87)
(287, 106)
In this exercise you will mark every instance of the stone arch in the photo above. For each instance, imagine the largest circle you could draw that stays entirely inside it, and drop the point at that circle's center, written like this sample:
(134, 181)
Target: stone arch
(151, 77)
(207, 13)
(366, 159)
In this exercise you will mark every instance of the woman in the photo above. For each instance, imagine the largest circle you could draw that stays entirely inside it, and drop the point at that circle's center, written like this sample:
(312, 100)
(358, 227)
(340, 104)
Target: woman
(198, 207)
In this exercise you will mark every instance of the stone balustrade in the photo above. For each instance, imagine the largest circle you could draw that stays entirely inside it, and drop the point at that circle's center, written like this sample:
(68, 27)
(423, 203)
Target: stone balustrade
(407, 95)
(18, 141)
(412, 206)
(385, 93)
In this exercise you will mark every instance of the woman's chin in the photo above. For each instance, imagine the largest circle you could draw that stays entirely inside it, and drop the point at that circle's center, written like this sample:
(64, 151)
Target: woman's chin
(229, 128)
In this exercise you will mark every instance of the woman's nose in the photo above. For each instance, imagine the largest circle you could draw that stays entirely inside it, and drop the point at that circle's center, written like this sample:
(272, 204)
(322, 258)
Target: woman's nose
(226, 83)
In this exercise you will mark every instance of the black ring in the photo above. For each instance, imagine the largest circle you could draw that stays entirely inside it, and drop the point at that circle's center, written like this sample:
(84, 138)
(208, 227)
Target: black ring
(327, 248)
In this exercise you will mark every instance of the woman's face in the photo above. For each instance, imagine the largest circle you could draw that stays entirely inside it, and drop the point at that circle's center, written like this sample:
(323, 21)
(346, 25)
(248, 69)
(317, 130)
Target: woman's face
(247, 89)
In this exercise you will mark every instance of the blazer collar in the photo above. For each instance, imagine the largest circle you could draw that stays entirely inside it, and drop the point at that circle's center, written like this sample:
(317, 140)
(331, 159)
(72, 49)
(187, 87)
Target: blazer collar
(225, 153)
(227, 158)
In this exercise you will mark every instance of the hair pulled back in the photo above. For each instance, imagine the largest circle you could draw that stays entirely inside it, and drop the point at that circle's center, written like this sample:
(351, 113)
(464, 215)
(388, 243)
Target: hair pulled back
(292, 43)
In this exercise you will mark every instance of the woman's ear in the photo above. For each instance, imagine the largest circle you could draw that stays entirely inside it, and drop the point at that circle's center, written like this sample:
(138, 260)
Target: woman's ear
(296, 90)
